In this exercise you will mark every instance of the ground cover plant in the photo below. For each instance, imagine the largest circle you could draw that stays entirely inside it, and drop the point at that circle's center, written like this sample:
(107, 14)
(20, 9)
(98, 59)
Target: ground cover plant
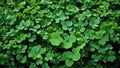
(60, 33)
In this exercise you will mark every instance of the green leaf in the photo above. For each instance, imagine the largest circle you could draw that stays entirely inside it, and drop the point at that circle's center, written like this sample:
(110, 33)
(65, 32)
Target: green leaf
(21, 26)
(111, 58)
(42, 50)
(31, 39)
(67, 45)
(103, 40)
(69, 38)
(82, 46)
(32, 65)
(45, 65)
(95, 57)
(72, 8)
(27, 23)
(24, 59)
(46, 22)
(111, 53)
(21, 58)
(67, 55)
(49, 56)
(72, 39)
(55, 34)
(39, 62)
(66, 24)
(39, 56)
(69, 62)
(77, 49)
(45, 37)
(21, 38)
(55, 39)
(66, 37)
(76, 56)
(94, 22)
(61, 15)
(82, 29)
(10, 2)
(34, 51)
(99, 34)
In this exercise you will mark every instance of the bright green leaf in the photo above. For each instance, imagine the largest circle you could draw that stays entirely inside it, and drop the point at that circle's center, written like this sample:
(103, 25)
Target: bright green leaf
(67, 45)
(72, 8)
(76, 56)
(67, 55)
(69, 62)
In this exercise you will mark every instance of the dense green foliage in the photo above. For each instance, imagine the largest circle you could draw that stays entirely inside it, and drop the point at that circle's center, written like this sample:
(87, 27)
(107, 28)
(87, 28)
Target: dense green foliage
(60, 33)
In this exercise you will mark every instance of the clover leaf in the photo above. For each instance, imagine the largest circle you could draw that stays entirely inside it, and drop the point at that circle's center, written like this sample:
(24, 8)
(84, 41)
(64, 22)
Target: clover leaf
(31, 39)
(76, 56)
(32, 65)
(27, 23)
(49, 56)
(94, 22)
(66, 24)
(103, 40)
(69, 62)
(21, 58)
(72, 38)
(72, 8)
(111, 58)
(45, 65)
(55, 39)
(67, 55)
(39, 62)
(34, 51)
(67, 45)
(21, 38)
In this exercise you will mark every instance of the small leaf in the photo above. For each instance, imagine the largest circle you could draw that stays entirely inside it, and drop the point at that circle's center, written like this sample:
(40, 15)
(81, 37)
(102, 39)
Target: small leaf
(72, 8)
(39, 61)
(69, 62)
(82, 46)
(24, 59)
(72, 39)
(49, 56)
(45, 37)
(27, 23)
(103, 40)
(99, 34)
(42, 50)
(45, 65)
(76, 56)
(56, 41)
(67, 55)
(55, 38)
(31, 39)
(32, 65)
(77, 49)
(34, 51)
(94, 22)
(111, 58)
(66, 37)
(21, 58)
(111, 53)
(21, 38)
(67, 45)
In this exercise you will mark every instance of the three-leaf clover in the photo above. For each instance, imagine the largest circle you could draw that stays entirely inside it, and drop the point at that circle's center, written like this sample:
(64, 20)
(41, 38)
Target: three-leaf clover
(55, 38)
